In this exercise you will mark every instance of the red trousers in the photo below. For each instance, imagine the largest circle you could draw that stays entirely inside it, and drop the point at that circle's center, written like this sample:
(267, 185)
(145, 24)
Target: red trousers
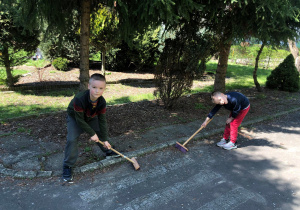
(232, 128)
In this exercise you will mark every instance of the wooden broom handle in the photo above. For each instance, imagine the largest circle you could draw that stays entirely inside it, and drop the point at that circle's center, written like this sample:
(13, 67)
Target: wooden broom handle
(112, 149)
(187, 141)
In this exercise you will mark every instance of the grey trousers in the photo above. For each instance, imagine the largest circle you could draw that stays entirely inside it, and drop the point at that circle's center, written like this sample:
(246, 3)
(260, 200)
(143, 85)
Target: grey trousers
(74, 131)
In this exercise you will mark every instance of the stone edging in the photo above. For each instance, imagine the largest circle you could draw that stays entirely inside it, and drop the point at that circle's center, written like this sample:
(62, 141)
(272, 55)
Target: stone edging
(107, 162)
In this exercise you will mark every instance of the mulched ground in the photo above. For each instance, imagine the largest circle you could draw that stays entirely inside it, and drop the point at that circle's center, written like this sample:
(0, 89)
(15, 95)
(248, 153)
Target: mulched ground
(138, 117)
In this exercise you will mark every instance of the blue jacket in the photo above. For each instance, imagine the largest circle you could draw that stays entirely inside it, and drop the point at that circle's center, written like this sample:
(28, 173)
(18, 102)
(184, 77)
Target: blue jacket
(236, 103)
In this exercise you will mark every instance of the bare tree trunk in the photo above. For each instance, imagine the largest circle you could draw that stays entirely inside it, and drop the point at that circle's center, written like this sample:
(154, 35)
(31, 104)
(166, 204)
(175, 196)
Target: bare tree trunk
(257, 85)
(219, 84)
(103, 62)
(10, 80)
(295, 52)
(84, 44)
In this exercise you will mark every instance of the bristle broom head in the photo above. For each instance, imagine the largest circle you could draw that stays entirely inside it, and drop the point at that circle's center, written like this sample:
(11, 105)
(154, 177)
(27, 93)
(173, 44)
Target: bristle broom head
(135, 164)
(181, 147)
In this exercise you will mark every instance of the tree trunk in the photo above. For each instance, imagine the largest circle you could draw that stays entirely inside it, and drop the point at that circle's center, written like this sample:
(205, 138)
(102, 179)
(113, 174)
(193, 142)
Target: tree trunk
(219, 84)
(10, 79)
(103, 62)
(257, 85)
(84, 44)
(295, 52)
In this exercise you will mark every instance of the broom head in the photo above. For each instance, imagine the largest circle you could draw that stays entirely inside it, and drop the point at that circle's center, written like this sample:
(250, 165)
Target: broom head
(181, 147)
(135, 164)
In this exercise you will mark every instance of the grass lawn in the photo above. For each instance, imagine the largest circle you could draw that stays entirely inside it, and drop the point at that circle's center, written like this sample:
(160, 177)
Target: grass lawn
(14, 73)
(23, 103)
(238, 77)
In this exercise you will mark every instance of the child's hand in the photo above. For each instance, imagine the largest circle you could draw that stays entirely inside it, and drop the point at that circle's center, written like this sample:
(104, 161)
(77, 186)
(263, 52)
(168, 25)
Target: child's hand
(204, 124)
(107, 145)
(95, 138)
(229, 120)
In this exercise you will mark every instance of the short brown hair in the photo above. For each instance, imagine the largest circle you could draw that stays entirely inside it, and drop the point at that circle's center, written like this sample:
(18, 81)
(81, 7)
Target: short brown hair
(215, 93)
(97, 76)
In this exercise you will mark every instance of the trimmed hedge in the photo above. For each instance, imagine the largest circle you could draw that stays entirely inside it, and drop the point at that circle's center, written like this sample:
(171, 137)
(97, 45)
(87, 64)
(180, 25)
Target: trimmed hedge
(284, 77)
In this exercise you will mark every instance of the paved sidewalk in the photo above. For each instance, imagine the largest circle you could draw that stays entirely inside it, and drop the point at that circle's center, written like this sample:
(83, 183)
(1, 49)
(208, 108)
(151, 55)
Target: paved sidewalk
(28, 158)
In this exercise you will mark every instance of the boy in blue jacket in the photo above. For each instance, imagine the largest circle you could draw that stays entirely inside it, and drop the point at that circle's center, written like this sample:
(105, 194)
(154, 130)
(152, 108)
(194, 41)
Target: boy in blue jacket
(238, 105)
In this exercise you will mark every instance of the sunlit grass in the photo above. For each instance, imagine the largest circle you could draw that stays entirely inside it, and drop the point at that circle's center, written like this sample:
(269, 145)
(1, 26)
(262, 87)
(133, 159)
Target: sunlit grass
(239, 77)
(14, 104)
(37, 63)
(19, 104)
(14, 72)
(24, 103)
(127, 99)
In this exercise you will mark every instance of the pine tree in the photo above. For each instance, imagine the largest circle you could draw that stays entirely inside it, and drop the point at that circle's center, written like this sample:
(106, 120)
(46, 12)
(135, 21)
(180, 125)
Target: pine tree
(284, 77)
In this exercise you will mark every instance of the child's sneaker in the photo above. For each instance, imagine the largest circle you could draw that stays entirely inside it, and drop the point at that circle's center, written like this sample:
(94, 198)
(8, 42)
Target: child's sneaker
(222, 142)
(229, 146)
(67, 174)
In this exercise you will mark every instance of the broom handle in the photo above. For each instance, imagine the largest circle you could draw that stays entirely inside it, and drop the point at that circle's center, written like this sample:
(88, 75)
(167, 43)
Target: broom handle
(112, 149)
(187, 141)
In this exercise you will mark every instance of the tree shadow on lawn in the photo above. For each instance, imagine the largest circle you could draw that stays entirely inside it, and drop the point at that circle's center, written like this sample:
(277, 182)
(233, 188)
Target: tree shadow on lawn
(135, 82)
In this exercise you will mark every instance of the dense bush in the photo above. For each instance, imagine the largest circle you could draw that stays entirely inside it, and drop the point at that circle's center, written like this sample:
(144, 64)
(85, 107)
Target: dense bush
(62, 47)
(175, 72)
(65, 44)
(60, 64)
(140, 55)
(284, 77)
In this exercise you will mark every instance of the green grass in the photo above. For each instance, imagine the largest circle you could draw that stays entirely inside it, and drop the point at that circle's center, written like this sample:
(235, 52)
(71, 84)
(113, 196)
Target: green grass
(37, 63)
(14, 73)
(24, 103)
(127, 99)
(238, 77)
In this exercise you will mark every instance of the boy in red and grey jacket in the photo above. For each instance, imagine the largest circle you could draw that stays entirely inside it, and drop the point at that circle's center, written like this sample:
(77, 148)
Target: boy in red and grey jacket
(238, 105)
(86, 113)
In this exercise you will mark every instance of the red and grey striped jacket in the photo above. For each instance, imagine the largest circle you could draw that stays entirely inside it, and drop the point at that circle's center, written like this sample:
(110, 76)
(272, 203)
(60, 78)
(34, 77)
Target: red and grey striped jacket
(82, 110)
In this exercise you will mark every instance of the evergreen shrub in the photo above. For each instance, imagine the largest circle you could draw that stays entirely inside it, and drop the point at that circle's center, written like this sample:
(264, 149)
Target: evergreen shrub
(60, 64)
(173, 75)
(285, 76)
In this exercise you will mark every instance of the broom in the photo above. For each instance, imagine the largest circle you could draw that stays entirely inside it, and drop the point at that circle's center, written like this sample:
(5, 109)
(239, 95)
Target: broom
(182, 147)
(132, 160)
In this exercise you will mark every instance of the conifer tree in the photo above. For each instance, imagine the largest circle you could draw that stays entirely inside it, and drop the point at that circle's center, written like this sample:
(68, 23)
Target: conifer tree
(284, 77)
(17, 44)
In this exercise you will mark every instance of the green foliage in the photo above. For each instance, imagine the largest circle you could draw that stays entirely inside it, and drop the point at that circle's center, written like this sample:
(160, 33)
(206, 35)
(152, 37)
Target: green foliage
(17, 44)
(142, 55)
(150, 13)
(60, 64)
(104, 28)
(250, 52)
(63, 45)
(284, 77)
(174, 73)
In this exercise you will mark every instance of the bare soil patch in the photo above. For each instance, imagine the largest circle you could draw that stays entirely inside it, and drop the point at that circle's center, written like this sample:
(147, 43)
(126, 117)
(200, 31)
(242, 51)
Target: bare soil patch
(128, 120)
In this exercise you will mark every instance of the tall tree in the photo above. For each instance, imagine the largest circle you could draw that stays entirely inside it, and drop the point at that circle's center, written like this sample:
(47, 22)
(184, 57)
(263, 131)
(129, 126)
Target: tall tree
(295, 52)
(133, 15)
(84, 43)
(227, 19)
(257, 85)
(56, 14)
(232, 20)
(280, 25)
(104, 31)
(17, 43)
